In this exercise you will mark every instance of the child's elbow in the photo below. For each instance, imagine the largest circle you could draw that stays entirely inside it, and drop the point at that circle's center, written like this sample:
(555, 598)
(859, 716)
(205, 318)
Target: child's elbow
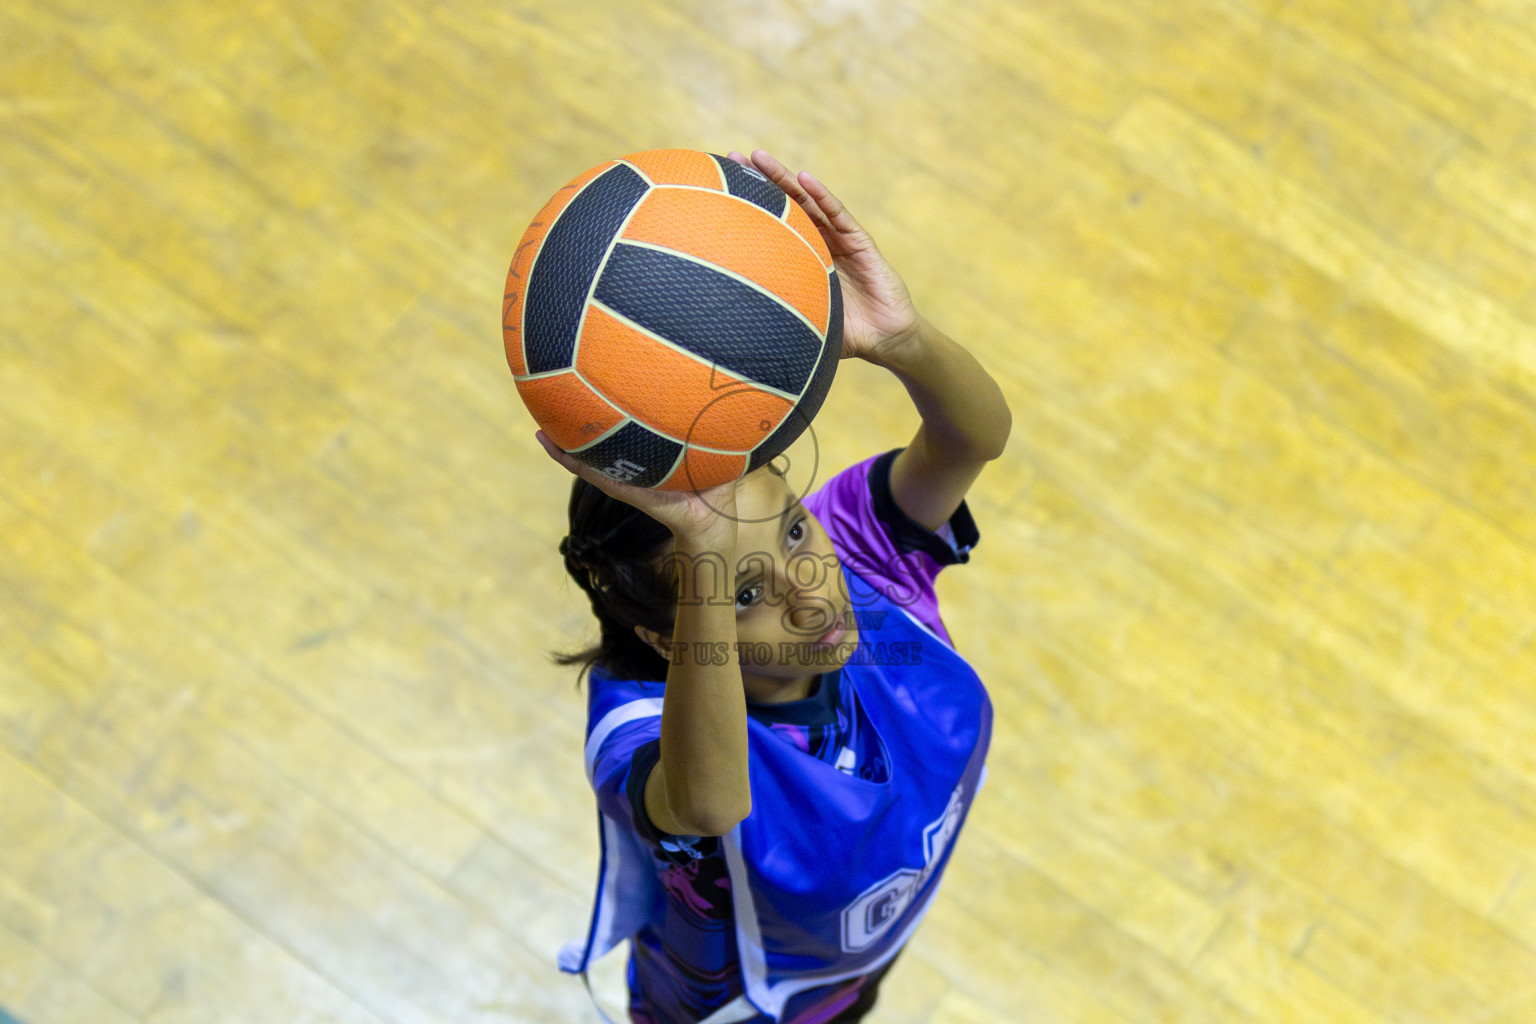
(1002, 426)
(718, 820)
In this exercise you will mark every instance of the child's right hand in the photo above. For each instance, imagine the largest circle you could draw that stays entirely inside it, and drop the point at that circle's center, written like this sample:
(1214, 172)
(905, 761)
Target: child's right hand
(696, 518)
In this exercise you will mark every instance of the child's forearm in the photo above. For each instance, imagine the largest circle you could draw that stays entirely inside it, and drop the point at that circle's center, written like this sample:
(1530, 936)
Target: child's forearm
(700, 784)
(962, 407)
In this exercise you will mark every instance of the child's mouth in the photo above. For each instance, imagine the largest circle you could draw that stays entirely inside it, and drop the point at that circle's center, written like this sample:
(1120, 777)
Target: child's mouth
(834, 634)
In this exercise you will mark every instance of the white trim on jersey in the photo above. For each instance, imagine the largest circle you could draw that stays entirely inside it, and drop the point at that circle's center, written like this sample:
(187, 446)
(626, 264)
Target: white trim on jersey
(749, 940)
(920, 624)
(626, 883)
(770, 999)
(646, 707)
(737, 1009)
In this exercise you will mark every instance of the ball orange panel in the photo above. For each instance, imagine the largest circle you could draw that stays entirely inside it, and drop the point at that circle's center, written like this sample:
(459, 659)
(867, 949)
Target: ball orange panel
(737, 412)
(680, 395)
(678, 167)
(700, 470)
(522, 263)
(567, 409)
(738, 236)
(801, 222)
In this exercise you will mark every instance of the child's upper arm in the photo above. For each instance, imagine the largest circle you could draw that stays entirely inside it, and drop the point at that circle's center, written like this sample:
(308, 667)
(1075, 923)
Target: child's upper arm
(622, 762)
(928, 483)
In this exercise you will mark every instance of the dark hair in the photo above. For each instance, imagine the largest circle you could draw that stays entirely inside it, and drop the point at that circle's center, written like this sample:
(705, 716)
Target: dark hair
(615, 552)
(612, 552)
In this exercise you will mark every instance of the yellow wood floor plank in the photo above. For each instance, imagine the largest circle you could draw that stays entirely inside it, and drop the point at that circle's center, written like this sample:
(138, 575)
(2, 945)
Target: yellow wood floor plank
(126, 931)
(914, 994)
(1100, 874)
(37, 989)
(1323, 120)
(1415, 403)
(1203, 644)
(1196, 848)
(1203, 163)
(1450, 451)
(274, 723)
(340, 470)
(1269, 982)
(1006, 976)
(1239, 879)
(1494, 193)
(341, 655)
(1398, 47)
(1488, 49)
(1099, 955)
(956, 1008)
(206, 806)
(1177, 518)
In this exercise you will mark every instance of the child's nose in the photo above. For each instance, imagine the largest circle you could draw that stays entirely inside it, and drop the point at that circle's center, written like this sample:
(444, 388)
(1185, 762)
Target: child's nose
(813, 615)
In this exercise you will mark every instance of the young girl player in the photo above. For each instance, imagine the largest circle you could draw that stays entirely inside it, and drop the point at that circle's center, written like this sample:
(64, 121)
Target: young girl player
(783, 752)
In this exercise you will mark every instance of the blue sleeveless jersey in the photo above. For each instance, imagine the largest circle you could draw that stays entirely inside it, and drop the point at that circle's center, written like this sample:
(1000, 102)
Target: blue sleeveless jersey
(826, 879)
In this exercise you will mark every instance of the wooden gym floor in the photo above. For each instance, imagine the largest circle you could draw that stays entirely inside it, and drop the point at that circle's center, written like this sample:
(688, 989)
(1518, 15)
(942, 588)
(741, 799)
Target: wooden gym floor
(278, 741)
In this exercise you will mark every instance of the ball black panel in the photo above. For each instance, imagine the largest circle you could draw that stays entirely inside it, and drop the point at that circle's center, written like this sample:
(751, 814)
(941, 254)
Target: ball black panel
(834, 318)
(567, 262)
(722, 320)
(634, 454)
(815, 392)
(752, 186)
(782, 437)
(831, 355)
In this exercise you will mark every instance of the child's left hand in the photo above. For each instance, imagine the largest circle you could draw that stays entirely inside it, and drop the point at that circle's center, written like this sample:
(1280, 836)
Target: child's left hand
(877, 309)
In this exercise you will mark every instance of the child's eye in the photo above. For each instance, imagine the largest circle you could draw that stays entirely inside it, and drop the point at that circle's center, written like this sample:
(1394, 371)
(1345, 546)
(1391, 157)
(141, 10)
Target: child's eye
(797, 531)
(746, 596)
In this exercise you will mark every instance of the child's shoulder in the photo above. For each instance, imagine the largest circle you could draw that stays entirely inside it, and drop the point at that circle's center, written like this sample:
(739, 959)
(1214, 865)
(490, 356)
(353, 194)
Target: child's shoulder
(877, 541)
(859, 512)
(848, 487)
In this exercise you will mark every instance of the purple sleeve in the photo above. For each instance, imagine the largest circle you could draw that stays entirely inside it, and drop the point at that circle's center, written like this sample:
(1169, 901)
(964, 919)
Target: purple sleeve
(616, 759)
(884, 546)
(623, 765)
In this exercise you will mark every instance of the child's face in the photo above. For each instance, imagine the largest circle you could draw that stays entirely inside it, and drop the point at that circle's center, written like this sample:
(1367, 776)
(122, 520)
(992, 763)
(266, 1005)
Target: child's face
(789, 592)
